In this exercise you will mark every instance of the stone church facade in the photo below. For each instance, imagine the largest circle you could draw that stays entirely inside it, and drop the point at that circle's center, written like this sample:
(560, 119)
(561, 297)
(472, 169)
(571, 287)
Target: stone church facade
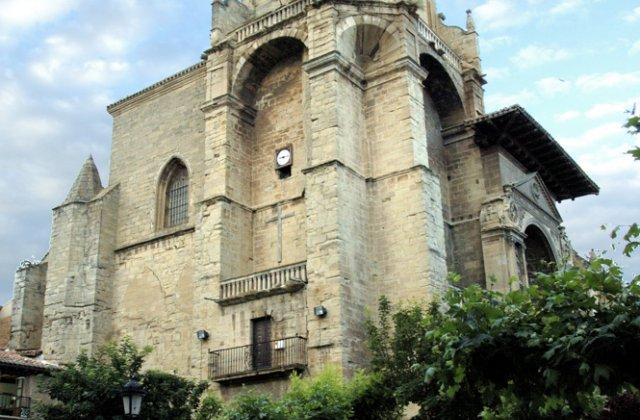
(322, 153)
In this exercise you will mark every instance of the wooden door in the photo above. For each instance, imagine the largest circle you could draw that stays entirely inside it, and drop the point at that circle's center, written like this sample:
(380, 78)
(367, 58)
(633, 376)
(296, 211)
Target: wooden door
(261, 343)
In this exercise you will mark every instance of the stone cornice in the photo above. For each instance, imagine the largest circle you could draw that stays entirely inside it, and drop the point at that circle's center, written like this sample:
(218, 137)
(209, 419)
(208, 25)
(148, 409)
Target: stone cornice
(339, 163)
(262, 207)
(402, 64)
(160, 236)
(334, 61)
(162, 86)
(230, 101)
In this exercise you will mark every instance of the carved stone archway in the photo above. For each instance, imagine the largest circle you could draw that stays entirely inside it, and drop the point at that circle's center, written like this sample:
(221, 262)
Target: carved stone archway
(538, 253)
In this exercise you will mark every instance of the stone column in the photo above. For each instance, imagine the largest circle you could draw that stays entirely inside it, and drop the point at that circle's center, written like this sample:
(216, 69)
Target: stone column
(500, 234)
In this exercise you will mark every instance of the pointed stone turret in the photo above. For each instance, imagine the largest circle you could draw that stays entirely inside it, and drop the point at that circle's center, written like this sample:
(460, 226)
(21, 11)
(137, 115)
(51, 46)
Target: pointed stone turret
(471, 24)
(87, 185)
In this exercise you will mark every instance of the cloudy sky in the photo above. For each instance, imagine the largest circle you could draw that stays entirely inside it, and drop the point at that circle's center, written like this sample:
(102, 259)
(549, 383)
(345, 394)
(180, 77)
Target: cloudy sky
(574, 64)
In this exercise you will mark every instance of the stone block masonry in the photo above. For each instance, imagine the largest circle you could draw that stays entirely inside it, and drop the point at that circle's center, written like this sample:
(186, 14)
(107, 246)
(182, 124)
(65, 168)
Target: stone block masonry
(396, 178)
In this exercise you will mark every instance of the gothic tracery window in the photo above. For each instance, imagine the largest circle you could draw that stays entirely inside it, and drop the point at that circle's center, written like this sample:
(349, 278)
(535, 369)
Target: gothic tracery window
(174, 205)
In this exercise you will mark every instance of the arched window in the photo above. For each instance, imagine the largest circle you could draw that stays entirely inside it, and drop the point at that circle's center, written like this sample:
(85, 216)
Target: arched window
(173, 204)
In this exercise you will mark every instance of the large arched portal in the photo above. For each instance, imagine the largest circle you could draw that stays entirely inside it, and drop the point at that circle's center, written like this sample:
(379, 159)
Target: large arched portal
(538, 253)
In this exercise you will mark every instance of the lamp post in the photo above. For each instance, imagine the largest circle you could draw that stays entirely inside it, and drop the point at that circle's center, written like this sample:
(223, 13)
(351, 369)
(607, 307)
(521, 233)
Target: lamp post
(132, 395)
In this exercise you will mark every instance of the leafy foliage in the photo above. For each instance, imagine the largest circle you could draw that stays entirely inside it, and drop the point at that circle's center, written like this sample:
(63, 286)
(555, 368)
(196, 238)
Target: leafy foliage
(326, 396)
(323, 397)
(372, 398)
(251, 406)
(170, 396)
(91, 387)
(560, 348)
(210, 407)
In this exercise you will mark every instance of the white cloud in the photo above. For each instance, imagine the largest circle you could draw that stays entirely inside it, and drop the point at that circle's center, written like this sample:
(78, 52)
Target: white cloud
(595, 136)
(500, 14)
(501, 100)
(566, 6)
(553, 85)
(590, 82)
(496, 73)
(24, 13)
(568, 116)
(635, 48)
(610, 109)
(491, 44)
(634, 15)
(537, 55)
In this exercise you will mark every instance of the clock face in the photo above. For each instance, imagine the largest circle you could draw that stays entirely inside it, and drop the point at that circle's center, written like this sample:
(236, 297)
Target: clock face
(284, 157)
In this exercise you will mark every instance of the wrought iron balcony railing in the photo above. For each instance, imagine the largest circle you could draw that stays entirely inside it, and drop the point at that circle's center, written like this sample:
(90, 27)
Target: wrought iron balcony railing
(271, 282)
(12, 405)
(275, 356)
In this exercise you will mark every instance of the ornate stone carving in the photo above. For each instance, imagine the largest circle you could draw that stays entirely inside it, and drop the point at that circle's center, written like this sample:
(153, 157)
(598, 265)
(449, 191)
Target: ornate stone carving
(502, 212)
(536, 191)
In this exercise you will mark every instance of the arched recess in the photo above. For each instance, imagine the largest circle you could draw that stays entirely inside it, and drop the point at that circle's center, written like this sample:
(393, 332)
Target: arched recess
(441, 88)
(258, 62)
(538, 252)
(369, 40)
(271, 83)
(172, 203)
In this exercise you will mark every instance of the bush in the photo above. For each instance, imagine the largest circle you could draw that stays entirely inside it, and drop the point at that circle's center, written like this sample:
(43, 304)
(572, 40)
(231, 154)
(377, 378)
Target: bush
(322, 397)
(251, 406)
(210, 407)
(170, 396)
(91, 387)
(372, 398)
(560, 348)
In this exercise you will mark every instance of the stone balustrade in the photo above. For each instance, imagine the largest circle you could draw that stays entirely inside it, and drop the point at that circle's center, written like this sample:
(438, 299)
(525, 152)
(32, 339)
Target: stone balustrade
(271, 19)
(298, 8)
(266, 283)
(439, 45)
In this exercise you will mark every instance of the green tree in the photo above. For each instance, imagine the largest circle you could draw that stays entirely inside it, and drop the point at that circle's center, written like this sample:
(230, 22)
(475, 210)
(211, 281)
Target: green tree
(560, 348)
(170, 396)
(322, 397)
(210, 407)
(251, 406)
(90, 388)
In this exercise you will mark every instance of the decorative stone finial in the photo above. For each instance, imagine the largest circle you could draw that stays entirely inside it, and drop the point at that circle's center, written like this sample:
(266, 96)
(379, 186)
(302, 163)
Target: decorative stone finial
(87, 185)
(471, 25)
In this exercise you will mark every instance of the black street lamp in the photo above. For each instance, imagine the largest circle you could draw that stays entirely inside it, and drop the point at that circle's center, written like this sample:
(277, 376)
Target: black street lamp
(132, 395)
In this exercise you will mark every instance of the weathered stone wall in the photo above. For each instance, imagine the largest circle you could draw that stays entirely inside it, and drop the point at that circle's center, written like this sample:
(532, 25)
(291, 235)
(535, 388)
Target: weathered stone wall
(27, 308)
(365, 205)
(279, 123)
(435, 151)
(153, 297)
(467, 191)
(80, 267)
(147, 133)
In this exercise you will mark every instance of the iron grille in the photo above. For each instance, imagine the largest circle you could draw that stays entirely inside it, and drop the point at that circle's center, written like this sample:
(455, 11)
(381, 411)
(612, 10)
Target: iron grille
(177, 201)
(12, 405)
(277, 355)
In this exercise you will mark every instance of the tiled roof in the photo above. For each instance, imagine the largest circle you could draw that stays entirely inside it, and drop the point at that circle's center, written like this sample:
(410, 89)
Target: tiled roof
(11, 359)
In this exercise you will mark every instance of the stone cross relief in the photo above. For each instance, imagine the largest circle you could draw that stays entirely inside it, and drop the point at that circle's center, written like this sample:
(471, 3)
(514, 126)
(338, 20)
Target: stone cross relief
(279, 219)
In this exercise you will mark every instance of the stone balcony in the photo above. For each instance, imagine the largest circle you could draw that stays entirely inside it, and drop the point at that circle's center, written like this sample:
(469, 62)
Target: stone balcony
(281, 280)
